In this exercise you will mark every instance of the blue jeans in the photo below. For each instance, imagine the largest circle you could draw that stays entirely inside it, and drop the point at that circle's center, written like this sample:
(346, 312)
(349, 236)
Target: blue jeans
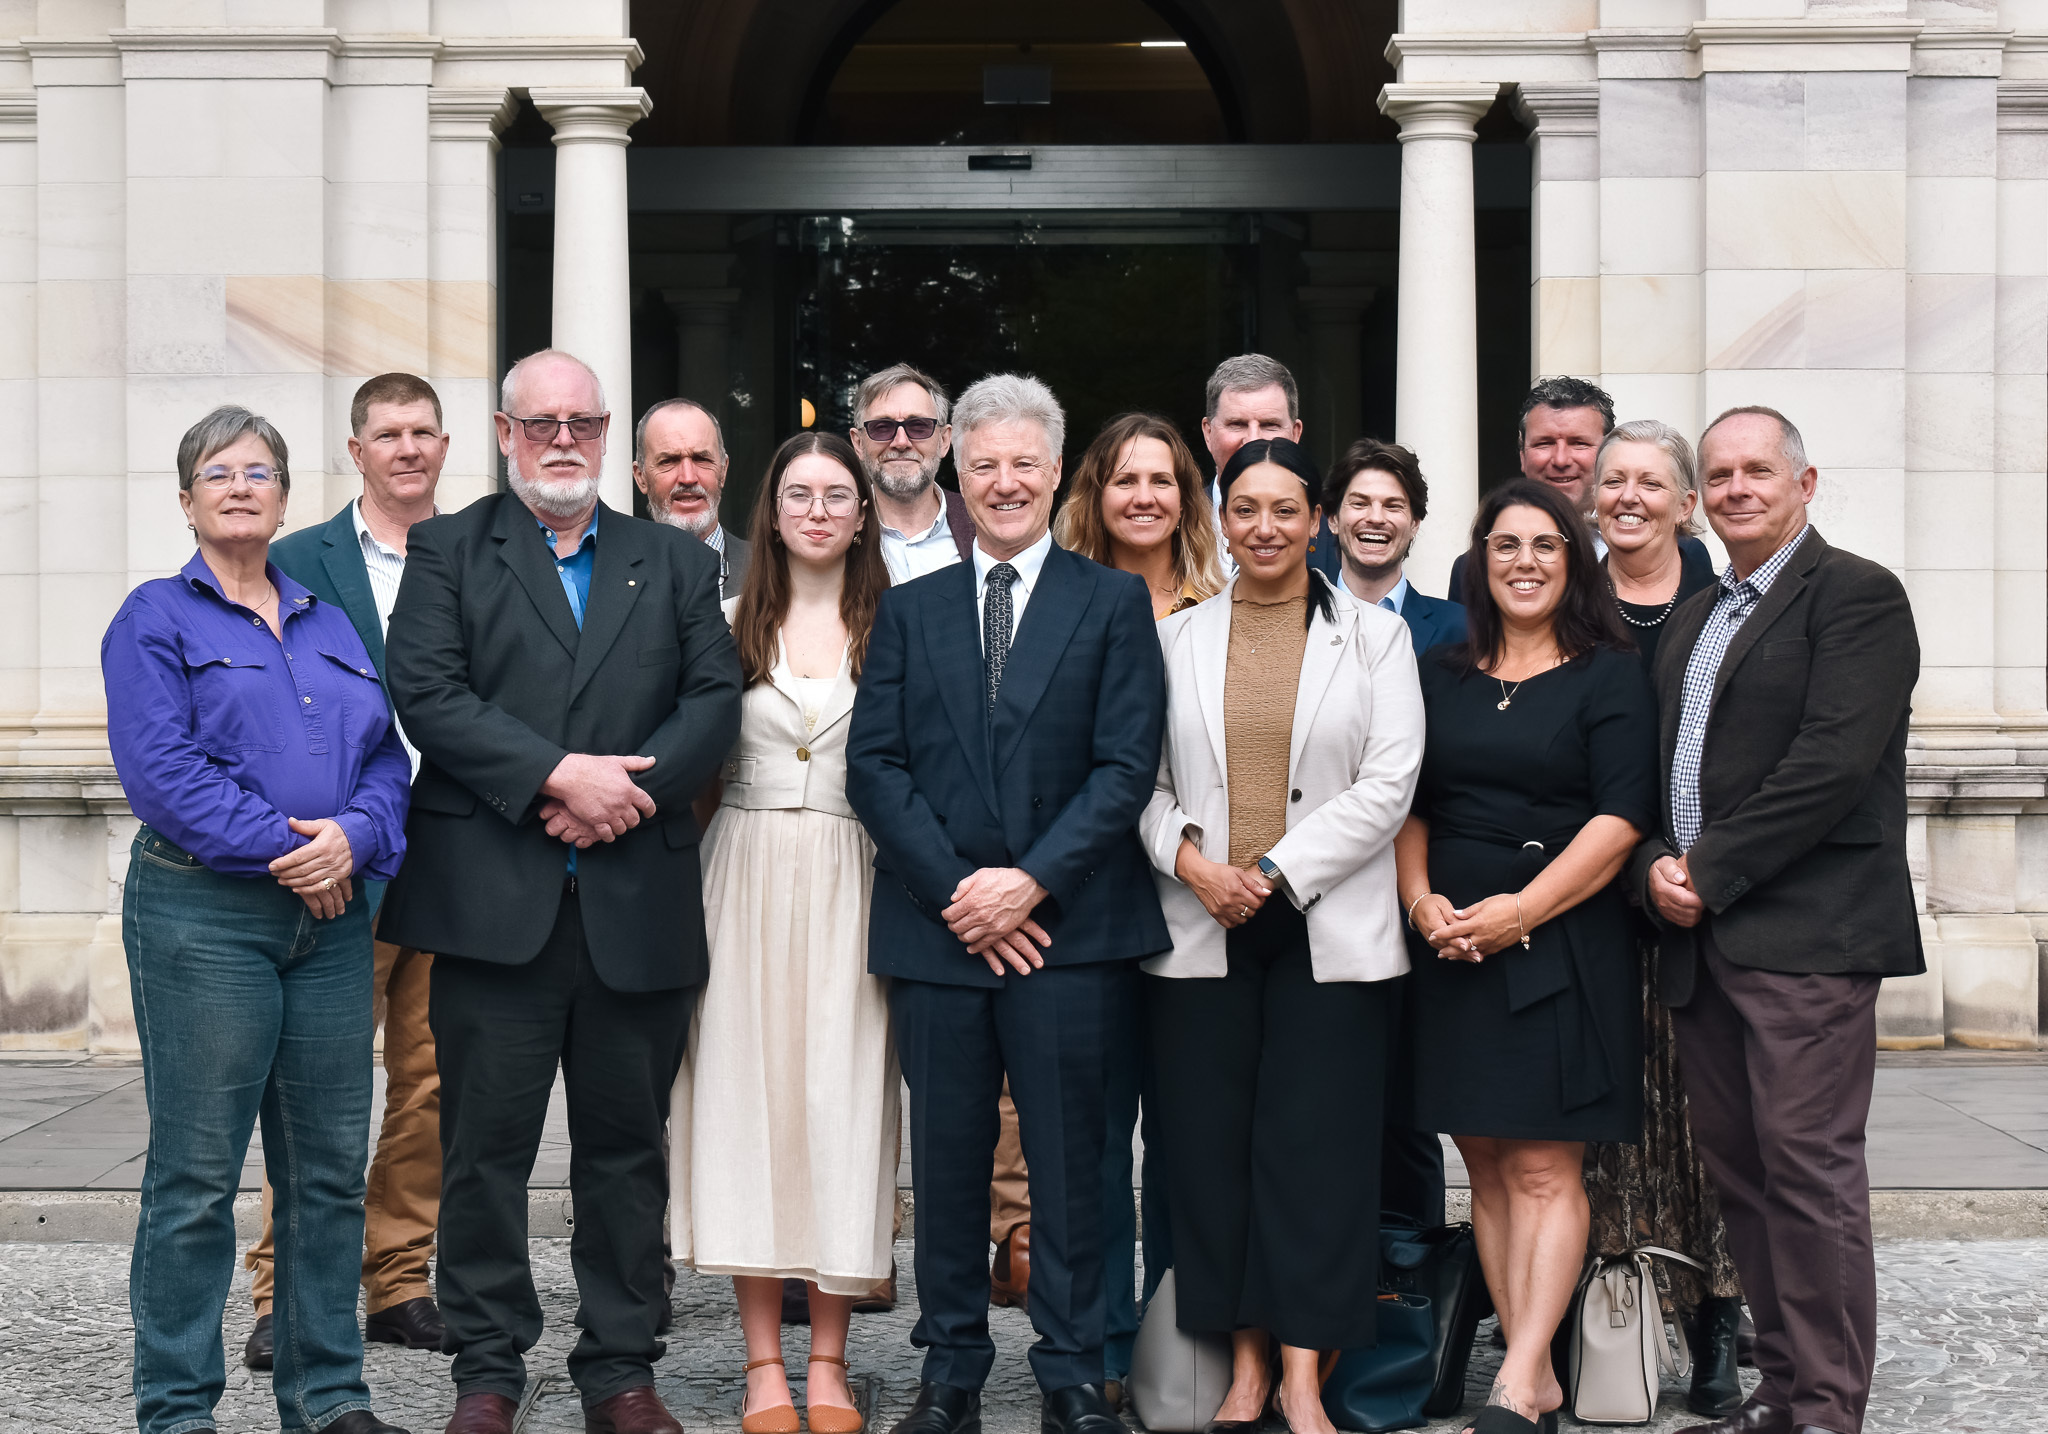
(246, 1006)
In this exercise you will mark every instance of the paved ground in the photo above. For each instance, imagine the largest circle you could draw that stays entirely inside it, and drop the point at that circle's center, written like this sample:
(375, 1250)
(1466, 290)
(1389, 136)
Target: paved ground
(1963, 1347)
(1938, 1122)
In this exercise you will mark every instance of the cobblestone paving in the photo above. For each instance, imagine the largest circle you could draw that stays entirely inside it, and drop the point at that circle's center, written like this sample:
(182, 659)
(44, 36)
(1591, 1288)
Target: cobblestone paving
(1963, 1347)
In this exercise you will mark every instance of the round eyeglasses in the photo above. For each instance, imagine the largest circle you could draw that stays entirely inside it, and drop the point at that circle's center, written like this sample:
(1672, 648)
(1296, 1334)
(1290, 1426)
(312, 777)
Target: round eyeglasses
(1507, 547)
(839, 502)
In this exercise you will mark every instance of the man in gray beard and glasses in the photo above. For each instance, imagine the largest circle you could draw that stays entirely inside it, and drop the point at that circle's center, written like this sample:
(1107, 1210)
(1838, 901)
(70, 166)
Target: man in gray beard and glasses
(902, 436)
(680, 463)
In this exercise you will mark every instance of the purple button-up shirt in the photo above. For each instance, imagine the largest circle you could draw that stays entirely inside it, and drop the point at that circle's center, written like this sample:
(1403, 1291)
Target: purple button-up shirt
(220, 731)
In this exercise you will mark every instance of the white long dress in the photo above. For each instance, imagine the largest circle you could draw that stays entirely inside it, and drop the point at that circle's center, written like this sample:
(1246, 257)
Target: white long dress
(784, 1116)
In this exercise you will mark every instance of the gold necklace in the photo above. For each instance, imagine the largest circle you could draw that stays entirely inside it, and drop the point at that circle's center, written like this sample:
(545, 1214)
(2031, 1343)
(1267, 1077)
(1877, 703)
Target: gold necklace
(1507, 693)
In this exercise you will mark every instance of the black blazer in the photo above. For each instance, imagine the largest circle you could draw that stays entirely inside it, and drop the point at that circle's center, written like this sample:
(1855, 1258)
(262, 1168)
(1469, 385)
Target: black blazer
(1053, 785)
(1801, 858)
(495, 686)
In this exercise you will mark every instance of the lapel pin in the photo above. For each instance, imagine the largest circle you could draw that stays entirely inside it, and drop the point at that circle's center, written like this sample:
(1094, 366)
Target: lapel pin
(632, 582)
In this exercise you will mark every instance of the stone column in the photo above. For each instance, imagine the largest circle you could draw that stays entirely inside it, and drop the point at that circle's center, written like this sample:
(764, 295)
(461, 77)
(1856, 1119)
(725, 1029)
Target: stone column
(1436, 393)
(593, 316)
(462, 295)
(18, 651)
(703, 338)
(1334, 305)
(1564, 225)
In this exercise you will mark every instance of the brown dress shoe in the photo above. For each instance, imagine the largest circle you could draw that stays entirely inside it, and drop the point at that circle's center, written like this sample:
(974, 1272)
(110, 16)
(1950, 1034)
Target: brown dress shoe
(881, 1299)
(1009, 1279)
(1754, 1417)
(482, 1414)
(638, 1411)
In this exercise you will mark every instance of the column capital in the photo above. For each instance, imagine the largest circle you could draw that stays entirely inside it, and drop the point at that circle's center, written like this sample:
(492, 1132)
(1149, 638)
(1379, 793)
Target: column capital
(1437, 109)
(468, 114)
(591, 116)
(1558, 109)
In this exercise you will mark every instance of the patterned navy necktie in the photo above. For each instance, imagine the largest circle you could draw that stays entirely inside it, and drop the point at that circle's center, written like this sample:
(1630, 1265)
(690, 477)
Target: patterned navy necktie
(996, 624)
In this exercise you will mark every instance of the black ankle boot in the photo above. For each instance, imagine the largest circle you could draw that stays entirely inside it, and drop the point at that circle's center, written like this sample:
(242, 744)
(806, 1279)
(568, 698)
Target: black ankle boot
(1716, 1389)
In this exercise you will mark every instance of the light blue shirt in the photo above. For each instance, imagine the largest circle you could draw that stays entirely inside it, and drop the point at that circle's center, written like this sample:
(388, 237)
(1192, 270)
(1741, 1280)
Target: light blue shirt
(1397, 599)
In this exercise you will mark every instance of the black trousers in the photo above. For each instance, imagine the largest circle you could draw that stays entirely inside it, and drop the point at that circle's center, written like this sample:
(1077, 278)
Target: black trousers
(499, 1033)
(1049, 1032)
(1411, 1160)
(1271, 1090)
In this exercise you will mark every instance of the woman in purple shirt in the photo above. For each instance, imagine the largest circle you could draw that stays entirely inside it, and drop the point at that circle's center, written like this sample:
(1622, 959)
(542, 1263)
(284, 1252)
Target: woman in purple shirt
(254, 741)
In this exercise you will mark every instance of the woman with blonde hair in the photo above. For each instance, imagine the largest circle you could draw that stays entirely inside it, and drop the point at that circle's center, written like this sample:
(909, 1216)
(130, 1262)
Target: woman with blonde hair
(785, 1111)
(1137, 505)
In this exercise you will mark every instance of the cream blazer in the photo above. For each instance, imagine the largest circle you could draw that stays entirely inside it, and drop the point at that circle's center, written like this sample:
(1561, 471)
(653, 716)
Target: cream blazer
(1352, 764)
(777, 761)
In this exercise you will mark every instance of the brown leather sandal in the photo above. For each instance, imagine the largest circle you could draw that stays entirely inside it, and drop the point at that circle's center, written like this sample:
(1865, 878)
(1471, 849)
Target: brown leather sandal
(779, 1419)
(831, 1418)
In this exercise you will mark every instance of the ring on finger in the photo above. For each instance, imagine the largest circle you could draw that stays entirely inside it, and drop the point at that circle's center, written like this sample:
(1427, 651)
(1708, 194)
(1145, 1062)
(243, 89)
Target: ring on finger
(327, 885)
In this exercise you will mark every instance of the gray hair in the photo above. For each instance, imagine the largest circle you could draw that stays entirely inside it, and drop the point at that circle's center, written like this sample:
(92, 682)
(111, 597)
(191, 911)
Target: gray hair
(640, 428)
(1248, 373)
(1669, 441)
(1012, 398)
(1791, 446)
(220, 428)
(877, 385)
(513, 374)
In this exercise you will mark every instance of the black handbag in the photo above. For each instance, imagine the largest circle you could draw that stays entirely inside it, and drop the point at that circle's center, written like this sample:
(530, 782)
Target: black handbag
(1441, 1264)
(1388, 1386)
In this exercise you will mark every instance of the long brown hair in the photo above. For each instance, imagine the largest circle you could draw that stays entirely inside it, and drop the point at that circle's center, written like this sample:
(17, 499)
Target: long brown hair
(764, 596)
(1079, 525)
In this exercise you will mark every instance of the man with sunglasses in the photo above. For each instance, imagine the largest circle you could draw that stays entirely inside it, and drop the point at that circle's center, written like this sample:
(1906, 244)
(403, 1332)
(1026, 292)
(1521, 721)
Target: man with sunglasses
(571, 684)
(902, 436)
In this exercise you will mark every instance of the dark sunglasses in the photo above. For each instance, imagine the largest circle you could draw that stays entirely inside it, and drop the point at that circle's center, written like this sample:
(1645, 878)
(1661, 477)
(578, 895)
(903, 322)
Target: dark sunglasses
(883, 430)
(543, 430)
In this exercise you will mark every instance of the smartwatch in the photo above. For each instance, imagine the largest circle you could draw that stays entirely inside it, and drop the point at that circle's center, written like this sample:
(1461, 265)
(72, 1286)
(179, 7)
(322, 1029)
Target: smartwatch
(1268, 870)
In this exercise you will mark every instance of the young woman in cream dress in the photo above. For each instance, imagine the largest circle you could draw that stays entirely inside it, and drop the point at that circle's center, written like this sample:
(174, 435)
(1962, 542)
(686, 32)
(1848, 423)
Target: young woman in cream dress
(785, 1113)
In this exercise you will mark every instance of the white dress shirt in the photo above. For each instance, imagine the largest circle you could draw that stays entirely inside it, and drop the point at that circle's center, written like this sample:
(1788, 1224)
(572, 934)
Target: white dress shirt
(1028, 564)
(912, 555)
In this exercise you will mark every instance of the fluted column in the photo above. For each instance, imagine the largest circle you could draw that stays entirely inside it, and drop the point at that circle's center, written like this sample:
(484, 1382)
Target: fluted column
(1436, 384)
(593, 316)
(462, 265)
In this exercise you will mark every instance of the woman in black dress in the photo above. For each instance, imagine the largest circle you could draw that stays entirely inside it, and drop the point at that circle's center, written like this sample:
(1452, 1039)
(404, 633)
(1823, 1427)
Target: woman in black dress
(1657, 1192)
(1538, 777)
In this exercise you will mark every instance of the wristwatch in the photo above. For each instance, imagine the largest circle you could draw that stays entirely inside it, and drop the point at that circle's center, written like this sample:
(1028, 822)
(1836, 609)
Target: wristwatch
(1268, 870)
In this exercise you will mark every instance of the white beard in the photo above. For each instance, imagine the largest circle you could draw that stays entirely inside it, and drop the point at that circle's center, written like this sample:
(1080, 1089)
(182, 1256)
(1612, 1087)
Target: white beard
(556, 500)
(697, 525)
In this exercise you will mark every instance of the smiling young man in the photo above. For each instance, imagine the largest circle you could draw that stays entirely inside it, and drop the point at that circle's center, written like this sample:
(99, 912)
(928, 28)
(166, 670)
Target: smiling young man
(1005, 739)
(1376, 499)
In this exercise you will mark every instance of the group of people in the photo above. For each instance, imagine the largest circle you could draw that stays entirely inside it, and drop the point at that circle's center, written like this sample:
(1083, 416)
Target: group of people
(1173, 807)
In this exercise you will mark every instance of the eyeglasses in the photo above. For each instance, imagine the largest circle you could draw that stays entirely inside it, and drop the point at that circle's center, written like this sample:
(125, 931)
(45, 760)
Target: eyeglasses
(883, 430)
(839, 502)
(1544, 547)
(543, 430)
(257, 475)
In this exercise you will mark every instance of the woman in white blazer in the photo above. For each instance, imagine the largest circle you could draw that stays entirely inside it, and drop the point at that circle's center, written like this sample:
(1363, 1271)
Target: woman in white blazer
(785, 1112)
(1293, 737)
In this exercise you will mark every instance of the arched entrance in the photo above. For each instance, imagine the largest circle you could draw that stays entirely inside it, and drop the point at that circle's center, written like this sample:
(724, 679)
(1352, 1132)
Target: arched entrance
(1112, 194)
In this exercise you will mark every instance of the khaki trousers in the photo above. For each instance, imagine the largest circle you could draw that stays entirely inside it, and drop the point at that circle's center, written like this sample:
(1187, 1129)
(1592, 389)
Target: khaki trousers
(1009, 1191)
(402, 1203)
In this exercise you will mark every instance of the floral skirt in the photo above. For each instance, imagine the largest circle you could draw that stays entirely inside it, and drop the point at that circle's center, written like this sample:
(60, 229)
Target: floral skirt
(1658, 1193)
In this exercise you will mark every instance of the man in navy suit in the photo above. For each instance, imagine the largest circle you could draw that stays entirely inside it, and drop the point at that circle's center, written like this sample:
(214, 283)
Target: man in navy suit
(1005, 739)
(1376, 499)
(354, 560)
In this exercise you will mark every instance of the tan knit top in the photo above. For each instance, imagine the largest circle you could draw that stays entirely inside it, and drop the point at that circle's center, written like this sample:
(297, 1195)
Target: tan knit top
(1260, 675)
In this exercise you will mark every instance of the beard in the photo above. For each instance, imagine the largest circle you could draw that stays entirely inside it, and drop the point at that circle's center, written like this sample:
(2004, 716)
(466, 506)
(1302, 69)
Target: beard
(555, 499)
(1386, 566)
(902, 490)
(697, 525)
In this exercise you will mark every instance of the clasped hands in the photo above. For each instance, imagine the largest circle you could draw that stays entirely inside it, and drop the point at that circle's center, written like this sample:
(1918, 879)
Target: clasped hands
(594, 798)
(319, 871)
(1672, 894)
(1468, 933)
(1230, 894)
(991, 913)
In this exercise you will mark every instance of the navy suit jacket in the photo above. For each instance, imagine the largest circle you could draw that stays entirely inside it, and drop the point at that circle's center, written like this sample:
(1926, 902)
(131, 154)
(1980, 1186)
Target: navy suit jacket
(1432, 620)
(328, 560)
(1053, 782)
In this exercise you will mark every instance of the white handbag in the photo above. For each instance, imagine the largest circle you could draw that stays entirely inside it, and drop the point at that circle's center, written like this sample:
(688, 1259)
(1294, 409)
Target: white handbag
(1620, 1348)
(1177, 1380)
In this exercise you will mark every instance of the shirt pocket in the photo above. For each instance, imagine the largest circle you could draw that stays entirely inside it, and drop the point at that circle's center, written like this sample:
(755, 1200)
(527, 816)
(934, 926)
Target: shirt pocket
(365, 714)
(234, 702)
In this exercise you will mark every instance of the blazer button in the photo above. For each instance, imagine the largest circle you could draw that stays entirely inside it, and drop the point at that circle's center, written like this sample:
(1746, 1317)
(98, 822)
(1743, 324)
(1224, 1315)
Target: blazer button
(1037, 802)
(803, 754)
(1295, 795)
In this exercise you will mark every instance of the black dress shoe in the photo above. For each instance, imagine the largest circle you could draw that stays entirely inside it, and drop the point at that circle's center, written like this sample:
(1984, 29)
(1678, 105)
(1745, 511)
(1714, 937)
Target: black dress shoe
(1077, 1409)
(259, 1351)
(942, 1409)
(1716, 1387)
(361, 1421)
(1755, 1417)
(414, 1323)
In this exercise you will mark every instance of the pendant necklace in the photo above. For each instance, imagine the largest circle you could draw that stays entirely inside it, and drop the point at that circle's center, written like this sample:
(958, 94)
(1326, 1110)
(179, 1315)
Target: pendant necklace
(1507, 693)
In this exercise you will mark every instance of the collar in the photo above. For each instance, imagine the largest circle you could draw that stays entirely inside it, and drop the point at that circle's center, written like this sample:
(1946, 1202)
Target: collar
(589, 533)
(937, 523)
(364, 535)
(291, 596)
(715, 539)
(1767, 572)
(1397, 597)
(1028, 563)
